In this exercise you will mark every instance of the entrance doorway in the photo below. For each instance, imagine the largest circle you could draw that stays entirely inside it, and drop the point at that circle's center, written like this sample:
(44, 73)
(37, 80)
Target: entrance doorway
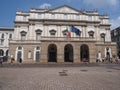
(37, 56)
(1, 52)
(68, 53)
(19, 55)
(84, 53)
(52, 53)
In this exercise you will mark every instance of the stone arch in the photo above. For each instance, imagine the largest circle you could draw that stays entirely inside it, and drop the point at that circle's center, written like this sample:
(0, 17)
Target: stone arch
(52, 53)
(1, 52)
(68, 53)
(84, 53)
(7, 53)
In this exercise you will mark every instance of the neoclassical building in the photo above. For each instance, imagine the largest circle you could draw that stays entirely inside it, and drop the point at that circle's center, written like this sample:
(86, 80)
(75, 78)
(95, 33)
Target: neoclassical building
(60, 35)
(6, 33)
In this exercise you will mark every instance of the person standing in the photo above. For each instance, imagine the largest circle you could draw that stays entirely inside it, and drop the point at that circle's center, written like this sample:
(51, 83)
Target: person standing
(99, 57)
(20, 60)
(1, 60)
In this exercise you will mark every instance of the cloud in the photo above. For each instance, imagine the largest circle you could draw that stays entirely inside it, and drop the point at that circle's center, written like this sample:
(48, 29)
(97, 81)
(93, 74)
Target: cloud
(45, 6)
(101, 3)
(115, 23)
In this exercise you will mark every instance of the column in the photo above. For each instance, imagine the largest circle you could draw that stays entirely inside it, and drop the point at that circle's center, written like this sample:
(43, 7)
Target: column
(60, 52)
(76, 53)
(30, 32)
(97, 33)
(44, 52)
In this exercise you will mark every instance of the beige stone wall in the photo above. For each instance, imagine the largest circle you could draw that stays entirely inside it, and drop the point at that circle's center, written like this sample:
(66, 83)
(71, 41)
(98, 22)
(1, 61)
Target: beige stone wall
(93, 50)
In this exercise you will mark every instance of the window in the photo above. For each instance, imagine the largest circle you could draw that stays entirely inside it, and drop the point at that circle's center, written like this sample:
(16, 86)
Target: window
(64, 33)
(52, 33)
(2, 36)
(37, 48)
(10, 36)
(19, 48)
(102, 36)
(39, 16)
(65, 16)
(23, 35)
(24, 18)
(91, 34)
(52, 16)
(90, 18)
(101, 21)
(1, 42)
(38, 34)
(77, 17)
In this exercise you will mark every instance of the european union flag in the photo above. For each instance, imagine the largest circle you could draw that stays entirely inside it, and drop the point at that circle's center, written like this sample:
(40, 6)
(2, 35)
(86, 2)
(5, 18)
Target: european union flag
(75, 30)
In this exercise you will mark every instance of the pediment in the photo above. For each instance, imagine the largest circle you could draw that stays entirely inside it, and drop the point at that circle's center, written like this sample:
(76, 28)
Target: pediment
(65, 9)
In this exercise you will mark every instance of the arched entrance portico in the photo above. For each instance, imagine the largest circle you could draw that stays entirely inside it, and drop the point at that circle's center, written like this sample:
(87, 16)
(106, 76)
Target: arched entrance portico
(68, 53)
(52, 53)
(1, 52)
(7, 52)
(84, 53)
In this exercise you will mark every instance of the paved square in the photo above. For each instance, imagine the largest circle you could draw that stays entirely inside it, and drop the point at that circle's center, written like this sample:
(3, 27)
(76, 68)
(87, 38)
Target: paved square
(102, 77)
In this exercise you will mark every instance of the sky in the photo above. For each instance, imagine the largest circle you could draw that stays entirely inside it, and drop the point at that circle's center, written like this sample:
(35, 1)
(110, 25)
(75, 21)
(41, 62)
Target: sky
(8, 8)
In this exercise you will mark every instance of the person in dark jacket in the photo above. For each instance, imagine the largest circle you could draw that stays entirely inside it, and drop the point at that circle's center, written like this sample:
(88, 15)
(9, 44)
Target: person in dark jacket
(1, 60)
(20, 60)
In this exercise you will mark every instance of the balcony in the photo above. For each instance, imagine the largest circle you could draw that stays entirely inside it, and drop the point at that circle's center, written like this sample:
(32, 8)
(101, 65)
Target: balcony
(56, 39)
(67, 39)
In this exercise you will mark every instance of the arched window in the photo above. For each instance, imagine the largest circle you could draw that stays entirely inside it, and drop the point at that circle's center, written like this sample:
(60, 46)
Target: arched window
(52, 33)
(19, 48)
(38, 34)
(23, 35)
(37, 48)
(91, 34)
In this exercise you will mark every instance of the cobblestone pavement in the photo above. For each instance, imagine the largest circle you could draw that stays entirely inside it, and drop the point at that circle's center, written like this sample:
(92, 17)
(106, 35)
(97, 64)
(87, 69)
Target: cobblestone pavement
(101, 77)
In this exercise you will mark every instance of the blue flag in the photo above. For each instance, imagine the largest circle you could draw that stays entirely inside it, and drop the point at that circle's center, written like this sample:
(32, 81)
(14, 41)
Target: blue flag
(75, 30)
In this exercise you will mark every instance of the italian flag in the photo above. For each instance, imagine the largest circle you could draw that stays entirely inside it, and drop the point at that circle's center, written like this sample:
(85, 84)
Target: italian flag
(67, 32)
